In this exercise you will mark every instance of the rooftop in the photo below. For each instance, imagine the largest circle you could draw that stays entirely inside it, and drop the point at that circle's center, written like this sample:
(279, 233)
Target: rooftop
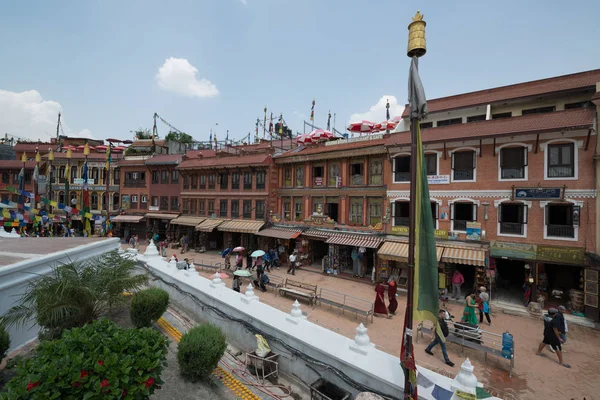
(16, 164)
(32, 146)
(22, 249)
(226, 161)
(165, 159)
(333, 146)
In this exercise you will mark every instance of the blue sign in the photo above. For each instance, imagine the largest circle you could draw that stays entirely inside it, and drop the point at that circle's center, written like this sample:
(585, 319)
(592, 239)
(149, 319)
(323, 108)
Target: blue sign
(538, 193)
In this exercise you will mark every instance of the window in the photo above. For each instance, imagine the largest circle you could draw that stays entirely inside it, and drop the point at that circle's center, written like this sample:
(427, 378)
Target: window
(463, 165)
(431, 163)
(193, 206)
(132, 179)
(426, 125)
(235, 208)
(211, 207)
(164, 203)
(476, 118)
(115, 201)
(247, 208)
(117, 177)
(561, 160)
(74, 171)
(61, 197)
(580, 104)
(261, 177)
(538, 110)
(223, 208)
(502, 115)
(211, 181)
(27, 177)
(299, 175)
(201, 207)
(512, 218)
(434, 214)
(513, 161)
(186, 206)
(357, 173)
(164, 177)
(400, 212)
(452, 121)
(334, 174)
(134, 201)
(461, 213)
(61, 174)
(16, 177)
(94, 175)
(224, 178)
(402, 169)
(287, 176)
(375, 211)
(174, 203)
(5, 177)
(155, 176)
(235, 180)
(194, 181)
(186, 181)
(376, 172)
(174, 176)
(259, 209)
(154, 201)
(318, 175)
(247, 180)
(103, 171)
(202, 179)
(298, 215)
(559, 221)
(356, 210)
(144, 201)
(287, 210)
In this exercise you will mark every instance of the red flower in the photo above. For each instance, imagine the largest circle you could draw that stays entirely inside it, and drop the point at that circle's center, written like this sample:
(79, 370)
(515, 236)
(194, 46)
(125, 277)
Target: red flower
(31, 385)
(124, 393)
(83, 374)
(76, 385)
(149, 382)
(104, 383)
(100, 362)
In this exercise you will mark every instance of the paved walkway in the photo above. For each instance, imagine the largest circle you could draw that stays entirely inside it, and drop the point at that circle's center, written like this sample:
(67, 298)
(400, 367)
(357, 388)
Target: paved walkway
(534, 377)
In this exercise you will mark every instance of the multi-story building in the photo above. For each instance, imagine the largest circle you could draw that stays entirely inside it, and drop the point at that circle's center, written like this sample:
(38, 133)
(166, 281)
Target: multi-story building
(134, 190)
(10, 169)
(513, 189)
(164, 190)
(225, 195)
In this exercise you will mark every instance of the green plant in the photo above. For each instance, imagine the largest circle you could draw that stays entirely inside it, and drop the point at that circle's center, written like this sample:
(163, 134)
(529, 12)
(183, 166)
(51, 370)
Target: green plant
(76, 293)
(200, 350)
(100, 360)
(148, 306)
(180, 137)
(4, 342)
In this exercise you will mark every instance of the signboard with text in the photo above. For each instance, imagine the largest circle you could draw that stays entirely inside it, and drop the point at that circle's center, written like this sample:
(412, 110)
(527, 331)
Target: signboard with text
(522, 251)
(553, 254)
(473, 231)
(538, 193)
(403, 231)
(79, 181)
(438, 179)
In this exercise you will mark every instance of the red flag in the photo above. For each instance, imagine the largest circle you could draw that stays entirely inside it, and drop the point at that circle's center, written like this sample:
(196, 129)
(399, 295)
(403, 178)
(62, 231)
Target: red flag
(408, 364)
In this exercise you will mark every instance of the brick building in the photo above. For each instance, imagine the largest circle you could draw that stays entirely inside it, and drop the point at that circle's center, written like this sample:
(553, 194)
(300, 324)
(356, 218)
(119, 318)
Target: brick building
(134, 190)
(163, 191)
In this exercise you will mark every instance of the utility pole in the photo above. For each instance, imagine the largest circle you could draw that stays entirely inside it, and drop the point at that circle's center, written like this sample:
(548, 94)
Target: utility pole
(58, 128)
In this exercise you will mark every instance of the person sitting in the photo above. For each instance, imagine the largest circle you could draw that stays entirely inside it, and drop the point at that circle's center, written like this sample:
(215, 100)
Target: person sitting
(262, 282)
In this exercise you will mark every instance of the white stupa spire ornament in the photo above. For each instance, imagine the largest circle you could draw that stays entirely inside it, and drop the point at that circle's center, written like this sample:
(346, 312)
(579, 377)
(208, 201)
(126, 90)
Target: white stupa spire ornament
(173, 262)
(249, 295)
(465, 381)
(362, 342)
(296, 314)
(151, 250)
(217, 282)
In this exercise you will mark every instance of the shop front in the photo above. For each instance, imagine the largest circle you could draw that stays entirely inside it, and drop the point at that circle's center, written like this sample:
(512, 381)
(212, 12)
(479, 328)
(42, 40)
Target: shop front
(312, 248)
(470, 261)
(128, 225)
(353, 254)
(240, 232)
(511, 269)
(274, 237)
(185, 225)
(209, 238)
(158, 223)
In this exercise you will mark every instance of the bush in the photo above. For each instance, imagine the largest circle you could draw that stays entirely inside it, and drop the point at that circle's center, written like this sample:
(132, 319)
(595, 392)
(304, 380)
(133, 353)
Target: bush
(148, 306)
(4, 342)
(99, 360)
(200, 350)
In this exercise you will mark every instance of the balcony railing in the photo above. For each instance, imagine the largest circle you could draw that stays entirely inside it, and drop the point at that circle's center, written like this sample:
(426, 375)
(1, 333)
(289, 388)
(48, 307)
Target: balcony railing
(223, 213)
(260, 185)
(135, 184)
(460, 225)
(512, 228)
(400, 221)
(560, 172)
(235, 214)
(564, 231)
(513, 173)
(463, 175)
(247, 186)
(358, 180)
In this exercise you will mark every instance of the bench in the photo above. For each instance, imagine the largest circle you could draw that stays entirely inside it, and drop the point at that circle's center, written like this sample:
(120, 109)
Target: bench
(299, 290)
(476, 339)
(276, 282)
(346, 303)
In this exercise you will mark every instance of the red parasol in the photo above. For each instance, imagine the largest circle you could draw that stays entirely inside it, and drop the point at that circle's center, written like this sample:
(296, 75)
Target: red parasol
(361, 127)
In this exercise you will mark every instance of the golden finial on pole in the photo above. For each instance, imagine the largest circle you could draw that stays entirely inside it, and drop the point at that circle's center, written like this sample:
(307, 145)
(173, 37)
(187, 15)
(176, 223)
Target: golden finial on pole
(24, 157)
(86, 149)
(50, 154)
(38, 157)
(69, 153)
(417, 46)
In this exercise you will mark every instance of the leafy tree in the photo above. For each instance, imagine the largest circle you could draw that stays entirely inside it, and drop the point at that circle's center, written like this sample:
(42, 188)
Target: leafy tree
(180, 137)
(76, 293)
(142, 133)
(148, 305)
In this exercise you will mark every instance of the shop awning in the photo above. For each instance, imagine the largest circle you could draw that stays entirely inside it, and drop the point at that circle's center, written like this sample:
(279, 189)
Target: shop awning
(281, 233)
(208, 225)
(350, 239)
(188, 221)
(128, 218)
(241, 226)
(396, 251)
(161, 216)
(458, 255)
(314, 233)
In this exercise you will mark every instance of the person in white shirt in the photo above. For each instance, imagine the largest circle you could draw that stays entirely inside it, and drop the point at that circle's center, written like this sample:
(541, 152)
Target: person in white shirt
(292, 267)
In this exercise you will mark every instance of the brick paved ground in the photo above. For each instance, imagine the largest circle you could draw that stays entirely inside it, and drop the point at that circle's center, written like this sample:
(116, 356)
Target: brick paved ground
(14, 250)
(533, 377)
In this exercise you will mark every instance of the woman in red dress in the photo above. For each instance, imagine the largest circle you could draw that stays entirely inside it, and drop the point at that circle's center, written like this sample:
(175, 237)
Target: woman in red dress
(392, 289)
(380, 307)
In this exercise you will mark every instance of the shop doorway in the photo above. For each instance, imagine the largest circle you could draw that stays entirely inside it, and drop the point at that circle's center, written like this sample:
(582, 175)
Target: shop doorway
(468, 272)
(236, 239)
(510, 278)
(561, 280)
(332, 211)
(319, 250)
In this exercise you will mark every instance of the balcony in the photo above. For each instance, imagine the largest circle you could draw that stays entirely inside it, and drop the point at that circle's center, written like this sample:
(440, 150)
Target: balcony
(135, 184)
(460, 225)
(512, 228)
(463, 175)
(401, 221)
(561, 231)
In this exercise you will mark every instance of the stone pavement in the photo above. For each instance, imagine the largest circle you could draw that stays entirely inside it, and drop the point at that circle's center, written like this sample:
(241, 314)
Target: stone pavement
(13, 250)
(534, 377)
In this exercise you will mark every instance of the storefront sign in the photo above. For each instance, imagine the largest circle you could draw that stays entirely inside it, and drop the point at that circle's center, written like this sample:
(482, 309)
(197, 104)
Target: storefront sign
(318, 181)
(438, 179)
(153, 208)
(521, 251)
(125, 202)
(473, 231)
(79, 181)
(538, 193)
(403, 231)
(553, 254)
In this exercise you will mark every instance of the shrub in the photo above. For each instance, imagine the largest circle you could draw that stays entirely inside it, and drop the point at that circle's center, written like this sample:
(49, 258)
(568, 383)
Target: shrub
(4, 342)
(200, 350)
(148, 306)
(99, 360)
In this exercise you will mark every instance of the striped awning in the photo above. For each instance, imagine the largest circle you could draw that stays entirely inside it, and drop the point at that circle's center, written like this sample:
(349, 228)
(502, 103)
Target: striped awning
(314, 233)
(241, 226)
(280, 233)
(396, 251)
(350, 239)
(208, 225)
(161, 216)
(464, 256)
(128, 218)
(188, 221)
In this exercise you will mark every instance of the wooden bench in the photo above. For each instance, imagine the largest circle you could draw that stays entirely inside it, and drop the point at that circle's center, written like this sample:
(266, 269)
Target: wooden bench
(276, 282)
(489, 343)
(299, 290)
(346, 303)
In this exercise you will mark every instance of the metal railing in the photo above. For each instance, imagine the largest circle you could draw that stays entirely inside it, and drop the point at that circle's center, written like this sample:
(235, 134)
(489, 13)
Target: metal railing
(565, 231)
(513, 173)
(463, 174)
(460, 225)
(512, 228)
(560, 172)
(401, 221)
(135, 184)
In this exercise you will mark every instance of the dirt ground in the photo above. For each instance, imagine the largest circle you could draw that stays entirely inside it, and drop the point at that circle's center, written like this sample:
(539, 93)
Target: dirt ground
(534, 377)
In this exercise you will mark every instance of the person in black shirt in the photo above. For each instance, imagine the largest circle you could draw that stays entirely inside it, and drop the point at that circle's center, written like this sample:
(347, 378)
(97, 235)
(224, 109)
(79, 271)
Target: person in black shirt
(437, 340)
(552, 326)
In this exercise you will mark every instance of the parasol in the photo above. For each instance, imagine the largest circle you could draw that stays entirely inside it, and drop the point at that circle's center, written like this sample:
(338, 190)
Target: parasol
(239, 249)
(242, 272)
(257, 253)
(361, 127)
(225, 252)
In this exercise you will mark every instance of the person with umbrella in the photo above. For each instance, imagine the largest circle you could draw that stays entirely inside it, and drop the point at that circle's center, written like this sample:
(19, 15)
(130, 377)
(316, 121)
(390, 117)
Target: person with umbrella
(249, 260)
(227, 256)
(236, 284)
(258, 255)
(238, 258)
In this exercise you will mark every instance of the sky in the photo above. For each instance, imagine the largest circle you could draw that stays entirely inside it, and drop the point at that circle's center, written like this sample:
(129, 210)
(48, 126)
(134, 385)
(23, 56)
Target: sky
(109, 65)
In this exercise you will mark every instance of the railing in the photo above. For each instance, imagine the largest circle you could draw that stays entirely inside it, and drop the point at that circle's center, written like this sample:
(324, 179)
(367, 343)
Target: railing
(463, 175)
(512, 228)
(460, 225)
(401, 176)
(560, 172)
(223, 213)
(565, 231)
(358, 180)
(247, 186)
(513, 173)
(143, 206)
(235, 214)
(135, 184)
(186, 186)
(223, 186)
(258, 215)
(235, 186)
(248, 215)
(401, 221)
(62, 180)
(260, 186)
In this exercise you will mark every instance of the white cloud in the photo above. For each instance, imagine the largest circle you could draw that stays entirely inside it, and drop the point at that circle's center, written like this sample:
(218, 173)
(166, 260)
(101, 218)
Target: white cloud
(86, 133)
(244, 2)
(26, 115)
(377, 112)
(177, 75)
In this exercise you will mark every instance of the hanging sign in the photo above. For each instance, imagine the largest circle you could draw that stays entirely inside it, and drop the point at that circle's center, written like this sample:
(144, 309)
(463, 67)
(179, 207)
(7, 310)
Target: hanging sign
(473, 230)
(555, 254)
(538, 193)
(438, 179)
(403, 231)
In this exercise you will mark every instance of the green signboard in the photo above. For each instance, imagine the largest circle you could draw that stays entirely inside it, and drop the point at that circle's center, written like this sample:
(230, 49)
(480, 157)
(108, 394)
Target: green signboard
(560, 255)
(522, 251)
(403, 231)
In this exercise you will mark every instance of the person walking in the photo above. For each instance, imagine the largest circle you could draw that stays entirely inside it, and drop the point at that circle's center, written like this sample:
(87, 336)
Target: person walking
(354, 256)
(292, 267)
(441, 341)
(275, 258)
(186, 243)
(235, 285)
(392, 289)
(249, 260)
(552, 336)
(469, 315)
(484, 306)
(562, 326)
(262, 282)
(380, 307)
(228, 260)
(457, 280)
